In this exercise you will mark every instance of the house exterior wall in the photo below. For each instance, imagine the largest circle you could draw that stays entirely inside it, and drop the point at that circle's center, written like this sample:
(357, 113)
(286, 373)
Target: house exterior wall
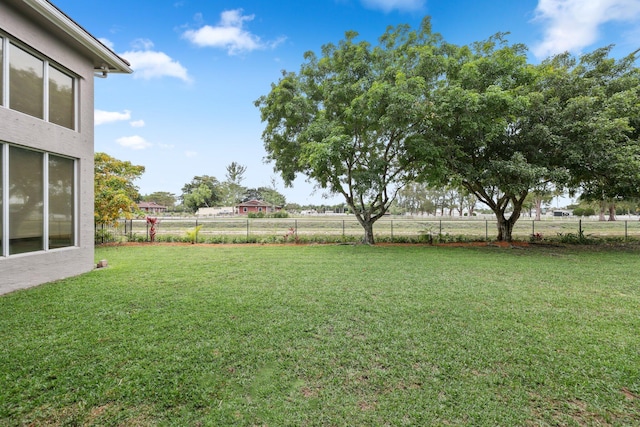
(25, 270)
(247, 209)
(253, 209)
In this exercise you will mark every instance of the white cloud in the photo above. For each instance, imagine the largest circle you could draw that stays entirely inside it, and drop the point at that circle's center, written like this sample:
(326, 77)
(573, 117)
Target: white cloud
(106, 42)
(134, 142)
(137, 123)
(389, 5)
(190, 153)
(148, 64)
(229, 34)
(101, 117)
(574, 24)
(142, 44)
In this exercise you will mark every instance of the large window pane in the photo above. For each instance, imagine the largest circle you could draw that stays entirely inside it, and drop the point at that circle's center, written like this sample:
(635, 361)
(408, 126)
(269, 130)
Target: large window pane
(26, 82)
(61, 104)
(26, 201)
(61, 202)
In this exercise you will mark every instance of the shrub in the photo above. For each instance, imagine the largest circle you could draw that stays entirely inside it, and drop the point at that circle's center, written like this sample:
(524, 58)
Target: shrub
(192, 234)
(536, 237)
(577, 239)
(584, 211)
(104, 236)
(280, 214)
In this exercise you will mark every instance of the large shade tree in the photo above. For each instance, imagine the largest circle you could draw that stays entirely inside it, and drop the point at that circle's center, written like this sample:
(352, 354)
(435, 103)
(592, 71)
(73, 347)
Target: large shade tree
(493, 126)
(344, 121)
(600, 125)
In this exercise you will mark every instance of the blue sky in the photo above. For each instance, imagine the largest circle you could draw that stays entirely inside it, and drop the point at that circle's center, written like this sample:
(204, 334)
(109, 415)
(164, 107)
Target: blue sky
(200, 64)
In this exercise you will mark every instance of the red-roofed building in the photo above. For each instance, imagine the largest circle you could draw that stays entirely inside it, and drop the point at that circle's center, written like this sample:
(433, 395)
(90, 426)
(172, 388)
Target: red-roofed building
(151, 207)
(256, 206)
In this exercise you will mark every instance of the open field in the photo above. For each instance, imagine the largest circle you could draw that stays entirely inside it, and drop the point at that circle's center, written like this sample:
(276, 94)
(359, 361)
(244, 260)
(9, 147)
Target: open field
(340, 227)
(329, 335)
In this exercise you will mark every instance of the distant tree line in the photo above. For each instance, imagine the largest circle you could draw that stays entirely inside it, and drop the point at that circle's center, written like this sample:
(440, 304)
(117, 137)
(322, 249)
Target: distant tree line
(116, 196)
(207, 191)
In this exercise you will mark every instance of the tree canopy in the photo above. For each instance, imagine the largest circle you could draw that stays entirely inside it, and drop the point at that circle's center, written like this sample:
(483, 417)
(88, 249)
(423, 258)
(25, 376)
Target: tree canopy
(115, 192)
(492, 127)
(601, 98)
(163, 198)
(266, 194)
(231, 190)
(362, 121)
(345, 119)
(202, 191)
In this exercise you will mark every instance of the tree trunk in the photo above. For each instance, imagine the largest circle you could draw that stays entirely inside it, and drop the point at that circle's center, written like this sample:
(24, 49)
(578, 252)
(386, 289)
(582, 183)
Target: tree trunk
(366, 221)
(368, 232)
(538, 209)
(505, 228)
(612, 212)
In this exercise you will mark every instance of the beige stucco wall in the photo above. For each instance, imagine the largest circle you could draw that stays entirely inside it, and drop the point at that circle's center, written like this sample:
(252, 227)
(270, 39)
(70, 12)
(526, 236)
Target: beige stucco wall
(25, 270)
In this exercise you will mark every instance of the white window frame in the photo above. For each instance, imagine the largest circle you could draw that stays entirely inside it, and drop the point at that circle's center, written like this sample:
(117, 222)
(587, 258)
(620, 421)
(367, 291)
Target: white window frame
(4, 253)
(5, 206)
(4, 102)
(6, 42)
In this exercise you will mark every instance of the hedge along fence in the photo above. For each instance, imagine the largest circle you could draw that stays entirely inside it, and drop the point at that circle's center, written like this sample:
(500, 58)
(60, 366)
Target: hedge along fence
(340, 229)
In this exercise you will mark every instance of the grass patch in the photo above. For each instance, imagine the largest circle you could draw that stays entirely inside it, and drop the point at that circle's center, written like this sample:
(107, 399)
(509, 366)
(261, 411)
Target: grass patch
(328, 335)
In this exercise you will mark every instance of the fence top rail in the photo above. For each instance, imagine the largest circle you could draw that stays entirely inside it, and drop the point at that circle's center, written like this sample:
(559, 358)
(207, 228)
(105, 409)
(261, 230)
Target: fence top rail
(352, 218)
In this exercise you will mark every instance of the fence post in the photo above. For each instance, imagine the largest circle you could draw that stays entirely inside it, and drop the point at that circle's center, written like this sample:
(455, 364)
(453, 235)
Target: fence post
(343, 228)
(196, 236)
(440, 232)
(247, 230)
(391, 230)
(533, 228)
(486, 230)
(580, 228)
(625, 230)
(295, 222)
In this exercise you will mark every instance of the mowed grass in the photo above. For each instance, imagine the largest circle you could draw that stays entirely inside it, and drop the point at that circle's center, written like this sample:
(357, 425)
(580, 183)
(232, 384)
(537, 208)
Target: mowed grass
(331, 335)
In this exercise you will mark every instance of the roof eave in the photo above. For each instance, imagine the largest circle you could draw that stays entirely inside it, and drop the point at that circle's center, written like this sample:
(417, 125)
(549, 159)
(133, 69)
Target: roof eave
(111, 62)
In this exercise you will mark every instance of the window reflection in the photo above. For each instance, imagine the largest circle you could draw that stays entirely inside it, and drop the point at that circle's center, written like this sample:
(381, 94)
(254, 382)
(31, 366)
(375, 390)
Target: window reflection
(26, 201)
(26, 82)
(61, 202)
(61, 106)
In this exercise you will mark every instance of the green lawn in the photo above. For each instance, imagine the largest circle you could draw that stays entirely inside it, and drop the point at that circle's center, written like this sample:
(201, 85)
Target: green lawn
(333, 335)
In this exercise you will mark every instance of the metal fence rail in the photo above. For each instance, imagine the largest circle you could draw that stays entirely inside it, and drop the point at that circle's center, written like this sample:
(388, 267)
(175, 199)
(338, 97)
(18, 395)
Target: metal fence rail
(328, 228)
